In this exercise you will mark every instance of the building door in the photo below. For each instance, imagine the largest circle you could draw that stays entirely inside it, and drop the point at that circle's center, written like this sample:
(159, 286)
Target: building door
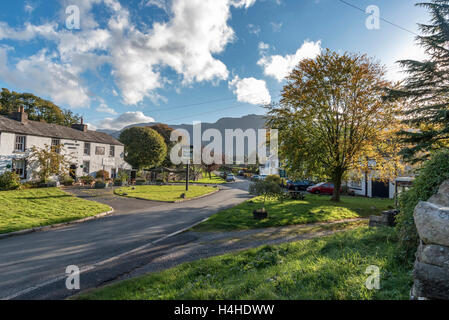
(380, 189)
(73, 171)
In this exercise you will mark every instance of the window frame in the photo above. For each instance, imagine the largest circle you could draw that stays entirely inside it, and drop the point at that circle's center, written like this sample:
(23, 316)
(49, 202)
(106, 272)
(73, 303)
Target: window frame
(86, 166)
(112, 151)
(20, 171)
(17, 143)
(58, 145)
(88, 147)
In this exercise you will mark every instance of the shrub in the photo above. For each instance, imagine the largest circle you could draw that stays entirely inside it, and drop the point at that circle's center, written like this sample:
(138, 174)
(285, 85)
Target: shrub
(273, 178)
(30, 185)
(118, 182)
(123, 176)
(103, 175)
(266, 189)
(67, 181)
(432, 174)
(87, 179)
(100, 185)
(9, 181)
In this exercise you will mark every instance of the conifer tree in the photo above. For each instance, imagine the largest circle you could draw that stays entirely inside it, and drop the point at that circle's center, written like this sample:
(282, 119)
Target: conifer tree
(426, 88)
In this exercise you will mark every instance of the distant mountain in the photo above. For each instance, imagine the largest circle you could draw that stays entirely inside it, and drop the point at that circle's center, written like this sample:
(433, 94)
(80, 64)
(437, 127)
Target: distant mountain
(251, 121)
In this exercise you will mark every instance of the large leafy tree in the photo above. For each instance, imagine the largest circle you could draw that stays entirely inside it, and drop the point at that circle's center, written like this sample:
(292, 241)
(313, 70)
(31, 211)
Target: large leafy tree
(38, 109)
(165, 131)
(332, 119)
(144, 147)
(426, 89)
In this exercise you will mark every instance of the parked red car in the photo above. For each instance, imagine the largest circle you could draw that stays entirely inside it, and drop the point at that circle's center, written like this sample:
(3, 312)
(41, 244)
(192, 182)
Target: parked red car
(322, 188)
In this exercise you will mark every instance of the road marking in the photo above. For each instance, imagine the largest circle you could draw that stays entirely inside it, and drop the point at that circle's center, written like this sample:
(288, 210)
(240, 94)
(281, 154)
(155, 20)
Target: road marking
(101, 263)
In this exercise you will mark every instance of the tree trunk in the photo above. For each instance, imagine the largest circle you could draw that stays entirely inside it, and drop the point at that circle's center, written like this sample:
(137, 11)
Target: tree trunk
(336, 179)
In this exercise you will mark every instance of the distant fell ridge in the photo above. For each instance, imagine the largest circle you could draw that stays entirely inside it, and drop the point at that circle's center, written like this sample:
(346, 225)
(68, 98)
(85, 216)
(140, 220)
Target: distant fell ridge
(251, 121)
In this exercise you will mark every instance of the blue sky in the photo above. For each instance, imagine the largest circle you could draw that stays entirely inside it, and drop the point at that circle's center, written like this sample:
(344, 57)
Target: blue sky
(178, 61)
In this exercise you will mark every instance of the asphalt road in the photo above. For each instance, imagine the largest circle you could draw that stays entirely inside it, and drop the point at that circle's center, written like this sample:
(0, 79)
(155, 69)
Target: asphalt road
(33, 266)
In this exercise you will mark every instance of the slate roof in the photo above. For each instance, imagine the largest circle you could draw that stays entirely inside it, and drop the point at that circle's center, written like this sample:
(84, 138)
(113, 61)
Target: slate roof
(42, 129)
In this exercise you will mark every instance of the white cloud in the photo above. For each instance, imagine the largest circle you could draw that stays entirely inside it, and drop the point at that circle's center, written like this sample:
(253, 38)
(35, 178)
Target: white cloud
(103, 107)
(276, 26)
(161, 4)
(253, 29)
(250, 90)
(243, 3)
(124, 120)
(88, 20)
(279, 67)
(42, 75)
(196, 31)
(29, 31)
(28, 8)
(263, 48)
(186, 43)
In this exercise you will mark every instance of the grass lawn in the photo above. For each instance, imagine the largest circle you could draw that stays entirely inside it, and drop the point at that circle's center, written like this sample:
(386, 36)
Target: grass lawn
(313, 209)
(320, 269)
(164, 193)
(214, 180)
(24, 209)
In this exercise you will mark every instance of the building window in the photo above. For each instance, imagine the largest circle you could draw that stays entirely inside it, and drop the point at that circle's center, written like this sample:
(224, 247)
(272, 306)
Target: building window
(19, 167)
(113, 173)
(20, 143)
(86, 167)
(56, 145)
(87, 149)
(100, 151)
(112, 151)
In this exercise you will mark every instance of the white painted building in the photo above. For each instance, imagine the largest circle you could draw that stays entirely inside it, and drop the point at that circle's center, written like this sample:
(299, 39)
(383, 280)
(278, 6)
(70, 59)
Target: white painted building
(87, 151)
(271, 167)
(370, 186)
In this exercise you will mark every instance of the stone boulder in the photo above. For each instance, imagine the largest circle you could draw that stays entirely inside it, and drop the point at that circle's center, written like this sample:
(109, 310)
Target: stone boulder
(432, 222)
(442, 197)
(432, 281)
(431, 272)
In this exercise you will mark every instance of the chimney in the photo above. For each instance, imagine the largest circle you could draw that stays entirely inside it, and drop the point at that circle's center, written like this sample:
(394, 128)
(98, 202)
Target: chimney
(80, 126)
(20, 115)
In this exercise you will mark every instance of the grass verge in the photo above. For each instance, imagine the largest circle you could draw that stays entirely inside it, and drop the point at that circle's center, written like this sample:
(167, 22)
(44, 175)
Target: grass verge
(313, 209)
(214, 180)
(326, 268)
(25, 209)
(164, 193)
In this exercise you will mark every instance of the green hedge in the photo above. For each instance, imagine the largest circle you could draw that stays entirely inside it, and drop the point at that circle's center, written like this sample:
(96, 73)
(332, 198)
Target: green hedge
(9, 181)
(433, 173)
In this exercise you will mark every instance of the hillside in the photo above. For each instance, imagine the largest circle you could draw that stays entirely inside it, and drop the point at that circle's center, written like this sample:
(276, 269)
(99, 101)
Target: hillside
(251, 121)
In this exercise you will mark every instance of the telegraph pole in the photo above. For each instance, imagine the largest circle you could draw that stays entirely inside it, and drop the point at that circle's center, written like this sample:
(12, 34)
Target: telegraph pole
(187, 155)
(187, 176)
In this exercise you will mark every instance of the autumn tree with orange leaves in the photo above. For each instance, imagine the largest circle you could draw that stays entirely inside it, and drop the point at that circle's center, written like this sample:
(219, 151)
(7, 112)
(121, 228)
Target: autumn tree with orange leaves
(332, 119)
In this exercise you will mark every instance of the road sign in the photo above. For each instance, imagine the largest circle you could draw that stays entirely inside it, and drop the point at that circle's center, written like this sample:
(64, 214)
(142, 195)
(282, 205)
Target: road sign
(186, 153)
(110, 162)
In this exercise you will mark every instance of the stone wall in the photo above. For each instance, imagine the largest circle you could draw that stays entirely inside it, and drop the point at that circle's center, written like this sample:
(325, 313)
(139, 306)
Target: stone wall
(431, 272)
